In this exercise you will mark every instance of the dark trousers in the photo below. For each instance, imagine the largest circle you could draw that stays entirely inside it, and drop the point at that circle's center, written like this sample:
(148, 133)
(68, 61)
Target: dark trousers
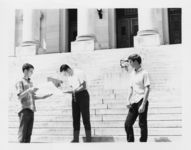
(131, 118)
(80, 105)
(26, 119)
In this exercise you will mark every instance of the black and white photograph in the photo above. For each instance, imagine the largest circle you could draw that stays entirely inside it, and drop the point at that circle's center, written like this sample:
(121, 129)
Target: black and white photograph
(95, 75)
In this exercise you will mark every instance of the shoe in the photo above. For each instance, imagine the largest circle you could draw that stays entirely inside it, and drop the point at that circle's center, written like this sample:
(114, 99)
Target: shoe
(88, 136)
(75, 137)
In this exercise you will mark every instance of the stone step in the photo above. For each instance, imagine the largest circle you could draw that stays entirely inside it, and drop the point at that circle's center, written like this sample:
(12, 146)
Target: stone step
(54, 118)
(150, 111)
(152, 131)
(60, 118)
(42, 106)
(107, 93)
(150, 117)
(124, 101)
(102, 131)
(67, 139)
(100, 124)
(151, 105)
(67, 102)
(115, 111)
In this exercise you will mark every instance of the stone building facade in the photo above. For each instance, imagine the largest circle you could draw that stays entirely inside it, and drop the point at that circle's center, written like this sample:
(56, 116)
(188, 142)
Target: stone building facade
(43, 31)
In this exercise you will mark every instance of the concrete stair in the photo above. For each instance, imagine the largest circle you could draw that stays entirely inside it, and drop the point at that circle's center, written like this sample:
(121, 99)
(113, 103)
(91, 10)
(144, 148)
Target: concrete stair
(108, 88)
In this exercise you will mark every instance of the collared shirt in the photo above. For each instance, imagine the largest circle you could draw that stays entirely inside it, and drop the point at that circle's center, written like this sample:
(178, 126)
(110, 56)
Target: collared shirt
(77, 78)
(27, 101)
(139, 80)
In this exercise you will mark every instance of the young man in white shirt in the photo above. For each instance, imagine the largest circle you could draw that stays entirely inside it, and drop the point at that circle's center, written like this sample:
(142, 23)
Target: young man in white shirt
(138, 99)
(80, 101)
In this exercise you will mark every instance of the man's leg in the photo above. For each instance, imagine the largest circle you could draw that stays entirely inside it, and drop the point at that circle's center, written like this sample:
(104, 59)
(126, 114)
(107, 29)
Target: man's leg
(143, 124)
(76, 120)
(23, 127)
(130, 120)
(85, 109)
(30, 127)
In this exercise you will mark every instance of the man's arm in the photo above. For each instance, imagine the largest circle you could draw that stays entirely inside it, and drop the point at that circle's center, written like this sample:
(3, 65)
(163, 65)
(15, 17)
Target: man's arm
(146, 82)
(129, 98)
(81, 87)
(82, 80)
(55, 81)
(41, 97)
(24, 93)
(146, 94)
(78, 89)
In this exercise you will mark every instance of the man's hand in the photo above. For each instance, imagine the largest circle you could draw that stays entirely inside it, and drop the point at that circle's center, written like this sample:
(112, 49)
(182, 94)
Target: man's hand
(70, 92)
(141, 108)
(46, 96)
(57, 85)
(33, 90)
(128, 105)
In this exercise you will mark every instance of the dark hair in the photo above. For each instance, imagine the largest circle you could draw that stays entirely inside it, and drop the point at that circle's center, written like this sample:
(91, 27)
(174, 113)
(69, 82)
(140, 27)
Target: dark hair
(64, 67)
(27, 66)
(135, 57)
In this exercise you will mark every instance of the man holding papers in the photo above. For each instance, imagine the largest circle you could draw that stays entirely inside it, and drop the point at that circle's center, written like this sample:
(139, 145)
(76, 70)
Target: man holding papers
(80, 100)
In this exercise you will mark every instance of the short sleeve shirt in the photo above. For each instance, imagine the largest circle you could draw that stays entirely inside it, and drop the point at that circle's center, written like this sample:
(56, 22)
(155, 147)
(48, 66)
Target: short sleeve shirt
(77, 78)
(139, 80)
(28, 100)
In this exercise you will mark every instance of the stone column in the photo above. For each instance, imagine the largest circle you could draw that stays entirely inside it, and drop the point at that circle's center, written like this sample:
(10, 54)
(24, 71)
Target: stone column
(150, 27)
(31, 33)
(63, 39)
(10, 24)
(86, 39)
(112, 28)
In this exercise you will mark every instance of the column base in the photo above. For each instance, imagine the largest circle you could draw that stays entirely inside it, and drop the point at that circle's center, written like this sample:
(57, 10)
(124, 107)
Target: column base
(147, 38)
(82, 46)
(26, 50)
(42, 51)
(84, 43)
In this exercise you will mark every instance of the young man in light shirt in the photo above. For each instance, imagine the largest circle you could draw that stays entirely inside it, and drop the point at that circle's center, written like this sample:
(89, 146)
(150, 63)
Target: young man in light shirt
(80, 101)
(138, 99)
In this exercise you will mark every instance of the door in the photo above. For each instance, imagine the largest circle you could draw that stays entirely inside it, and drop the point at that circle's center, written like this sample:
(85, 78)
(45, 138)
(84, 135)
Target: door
(174, 15)
(127, 27)
(123, 39)
(72, 26)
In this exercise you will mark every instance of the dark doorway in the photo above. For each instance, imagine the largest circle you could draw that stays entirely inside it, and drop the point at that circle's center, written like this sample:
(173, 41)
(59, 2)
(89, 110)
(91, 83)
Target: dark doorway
(174, 18)
(72, 20)
(127, 26)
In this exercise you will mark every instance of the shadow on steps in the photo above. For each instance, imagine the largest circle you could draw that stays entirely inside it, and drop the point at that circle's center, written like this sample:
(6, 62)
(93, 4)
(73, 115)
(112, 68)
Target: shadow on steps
(162, 139)
(100, 139)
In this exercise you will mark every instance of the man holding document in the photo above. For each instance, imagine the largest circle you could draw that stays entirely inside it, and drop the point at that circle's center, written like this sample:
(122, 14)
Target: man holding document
(80, 99)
